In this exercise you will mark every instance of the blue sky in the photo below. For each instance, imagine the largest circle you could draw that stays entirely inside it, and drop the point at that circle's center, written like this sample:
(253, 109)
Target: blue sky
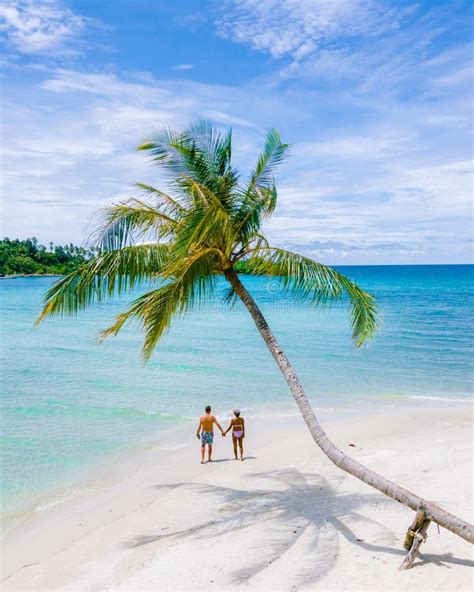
(374, 96)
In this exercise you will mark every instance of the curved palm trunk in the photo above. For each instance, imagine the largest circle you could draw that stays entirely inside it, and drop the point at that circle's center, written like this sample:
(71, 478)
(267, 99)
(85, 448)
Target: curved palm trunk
(344, 462)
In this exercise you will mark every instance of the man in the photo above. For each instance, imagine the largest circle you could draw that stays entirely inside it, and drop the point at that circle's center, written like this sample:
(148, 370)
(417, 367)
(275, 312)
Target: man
(206, 430)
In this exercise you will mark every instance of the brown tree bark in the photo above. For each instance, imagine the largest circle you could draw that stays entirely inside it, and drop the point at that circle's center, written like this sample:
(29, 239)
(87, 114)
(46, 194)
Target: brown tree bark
(341, 460)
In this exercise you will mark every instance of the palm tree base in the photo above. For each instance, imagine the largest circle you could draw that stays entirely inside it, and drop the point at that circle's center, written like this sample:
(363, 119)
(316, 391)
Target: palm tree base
(416, 535)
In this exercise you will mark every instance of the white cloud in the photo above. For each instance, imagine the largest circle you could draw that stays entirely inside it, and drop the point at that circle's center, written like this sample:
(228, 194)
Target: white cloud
(33, 27)
(364, 47)
(228, 119)
(398, 191)
(65, 81)
(183, 67)
(75, 134)
(298, 27)
(366, 147)
(390, 184)
(191, 22)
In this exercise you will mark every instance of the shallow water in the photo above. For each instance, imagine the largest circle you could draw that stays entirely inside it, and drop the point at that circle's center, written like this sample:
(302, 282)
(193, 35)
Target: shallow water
(69, 404)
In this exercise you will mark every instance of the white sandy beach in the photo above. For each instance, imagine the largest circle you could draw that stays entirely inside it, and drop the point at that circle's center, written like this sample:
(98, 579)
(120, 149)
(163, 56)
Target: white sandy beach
(284, 519)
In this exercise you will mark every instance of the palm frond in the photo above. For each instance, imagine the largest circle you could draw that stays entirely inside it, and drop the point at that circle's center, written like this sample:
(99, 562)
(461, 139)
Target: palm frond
(202, 195)
(257, 240)
(121, 224)
(209, 161)
(259, 198)
(112, 272)
(166, 147)
(200, 153)
(201, 229)
(216, 146)
(155, 310)
(320, 284)
(256, 206)
(274, 152)
(164, 197)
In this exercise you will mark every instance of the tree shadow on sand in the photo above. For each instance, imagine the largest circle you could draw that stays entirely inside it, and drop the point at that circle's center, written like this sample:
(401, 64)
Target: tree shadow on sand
(300, 511)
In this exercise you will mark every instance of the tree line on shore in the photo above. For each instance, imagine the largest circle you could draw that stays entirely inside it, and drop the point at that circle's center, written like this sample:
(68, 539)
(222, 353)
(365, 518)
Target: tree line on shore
(29, 257)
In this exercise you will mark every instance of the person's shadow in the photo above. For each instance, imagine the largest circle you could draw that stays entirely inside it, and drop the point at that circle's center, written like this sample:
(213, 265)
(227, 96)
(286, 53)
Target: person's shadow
(302, 509)
(221, 460)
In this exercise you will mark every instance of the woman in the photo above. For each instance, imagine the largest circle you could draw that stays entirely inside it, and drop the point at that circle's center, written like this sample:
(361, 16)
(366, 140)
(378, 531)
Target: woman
(237, 425)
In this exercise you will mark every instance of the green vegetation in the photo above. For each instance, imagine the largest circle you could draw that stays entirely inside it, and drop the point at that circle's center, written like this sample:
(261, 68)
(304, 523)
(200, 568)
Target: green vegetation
(28, 257)
(25, 257)
(252, 266)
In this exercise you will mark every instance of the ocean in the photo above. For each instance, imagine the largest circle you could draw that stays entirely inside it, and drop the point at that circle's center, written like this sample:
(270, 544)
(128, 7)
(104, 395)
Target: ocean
(69, 404)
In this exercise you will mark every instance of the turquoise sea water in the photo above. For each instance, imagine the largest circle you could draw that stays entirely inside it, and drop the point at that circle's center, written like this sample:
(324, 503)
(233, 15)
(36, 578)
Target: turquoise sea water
(69, 404)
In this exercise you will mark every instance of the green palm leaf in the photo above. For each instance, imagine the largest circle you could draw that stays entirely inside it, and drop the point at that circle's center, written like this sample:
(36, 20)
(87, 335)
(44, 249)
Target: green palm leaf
(126, 222)
(163, 198)
(257, 205)
(112, 272)
(200, 153)
(318, 283)
(191, 285)
(259, 198)
(274, 152)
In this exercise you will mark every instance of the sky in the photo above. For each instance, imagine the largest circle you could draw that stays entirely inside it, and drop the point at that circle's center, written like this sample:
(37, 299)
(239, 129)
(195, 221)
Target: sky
(374, 96)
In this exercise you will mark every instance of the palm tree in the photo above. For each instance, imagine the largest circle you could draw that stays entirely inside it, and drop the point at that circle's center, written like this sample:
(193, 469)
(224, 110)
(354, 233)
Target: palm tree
(184, 240)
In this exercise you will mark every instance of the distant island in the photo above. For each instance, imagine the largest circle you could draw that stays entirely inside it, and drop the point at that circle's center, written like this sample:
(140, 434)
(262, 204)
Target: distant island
(28, 257)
